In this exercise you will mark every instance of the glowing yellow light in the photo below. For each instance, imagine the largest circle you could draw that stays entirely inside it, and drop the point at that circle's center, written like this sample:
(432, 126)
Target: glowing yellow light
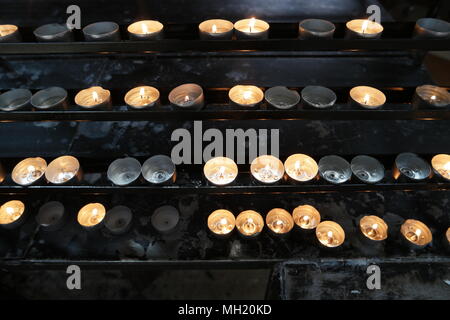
(221, 222)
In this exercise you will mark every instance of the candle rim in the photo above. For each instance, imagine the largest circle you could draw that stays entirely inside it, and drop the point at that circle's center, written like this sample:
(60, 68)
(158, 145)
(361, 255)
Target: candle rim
(18, 166)
(159, 25)
(203, 26)
(245, 22)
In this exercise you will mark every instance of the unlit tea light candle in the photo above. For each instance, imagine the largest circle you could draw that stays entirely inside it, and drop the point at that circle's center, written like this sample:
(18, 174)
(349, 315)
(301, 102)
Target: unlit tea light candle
(267, 169)
(53, 32)
(374, 228)
(246, 96)
(142, 97)
(306, 216)
(220, 171)
(429, 28)
(102, 31)
(118, 219)
(10, 212)
(50, 215)
(316, 29)
(15, 99)
(93, 97)
(165, 219)
(364, 29)
(301, 168)
(251, 29)
(145, 30)
(28, 171)
(367, 97)
(159, 169)
(53, 97)
(416, 232)
(216, 29)
(330, 234)
(221, 222)
(9, 33)
(279, 221)
(91, 215)
(249, 223)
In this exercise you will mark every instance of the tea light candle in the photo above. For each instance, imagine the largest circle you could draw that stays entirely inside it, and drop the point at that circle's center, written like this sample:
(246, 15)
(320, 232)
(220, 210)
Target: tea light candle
(53, 32)
(301, 168)
(187, 96)
(91, 215)
(281, 97)
(118, 219)
(11, 212)
(93, 97)
(428, 96)
(9, 33)
(429, 28)
(267, 169)
(441, 165)
(62, 170)
(363, 29)
(367, 169)
(15, 99)
(316, 28)
(251, 29)
(49, 98)
(317, 97)
(165, 219)
(145, 30)
(50, 215)
(124, 171)
(410, 166)
(416, 232)
(334, 169)
(102, 31)
(2, 173)
(330, 234)
(159, 169)
(447, 235)
(221, 222)
(216, 29)
(249, 223)
(306, 216)
(28, 171)
(142, 97)
(246, 96)
(367, 97)
(374, 228)
(279, 221)
(220, 171)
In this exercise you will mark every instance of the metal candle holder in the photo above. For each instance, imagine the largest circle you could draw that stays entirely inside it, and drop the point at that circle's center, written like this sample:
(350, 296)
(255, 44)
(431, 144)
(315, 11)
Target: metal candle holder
(246, 96)
(330, 234)
(306, 217)
(220, 171)
(142, 97)
(317, 97)
(441, 166)
(124, 171)
(411, 167)
(363, 29)
(367, 97)
(279, 221)
(188, 96)
(29, 171)
(216, 29)
(367, 169)
(282, 97)
(221, 222)
(300, 168)
(428, 96)
(251, 29)
(249, 223)
(159, 169)
(9, 33)
(416, 233)
(50, 216)
(118, 220)
(15, 99)
(12, 214)
(373, 228)
(91, 216)
(431, 28)
(316, 28)
(145, 30)
(102, 31)
(267, 169)
(53, 32)
(165, 219)
(50, 98)
(63, 170)
(93, 98)
(334, 169)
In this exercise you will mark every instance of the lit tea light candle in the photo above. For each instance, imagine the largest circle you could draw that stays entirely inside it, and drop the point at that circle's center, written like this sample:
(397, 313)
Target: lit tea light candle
(251, 29)
(62, 170)
(246, 96)
(118, 220)
(249, 223)
(429, 28)
(220, 171)
(428, 96)
(279, 221)
(447, 235)
(142, 97)
(441, 165)
(28, 171)
(267, 169)
(330, 234)
(221, 222)
(187, 96)
(102, 31)
(93, 97)
(50, 215)
(9, 33)
(281, 97)
(216, 29)
(410, 166)
(50, 98)
(159, 169)
(373, 227)
(53, 32)
(301, 168)
(91, 215)
(165, 219)
(145, 30)
(316, 29)
(11, 212)
(2, 173)
(363, 29)
(334, 169)
(15, 99)
(367, 97)
(367, 169)
(124, 171)
(306, 216)
(416, 232)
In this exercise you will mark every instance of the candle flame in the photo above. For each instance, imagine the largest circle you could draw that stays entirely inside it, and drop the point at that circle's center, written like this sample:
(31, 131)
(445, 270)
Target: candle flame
(186, 99)
(9, 210)
(94, 211)
(95, 96)
(142, 92)
(364, 26)
(247, 95)
(223, 221)
(330, 234)
(375, 226)
(214, 28)
(433, 97)
(366, 98)
(251, 24)
(31, 168)
(418, 232)
(144, 28)
(447, 166)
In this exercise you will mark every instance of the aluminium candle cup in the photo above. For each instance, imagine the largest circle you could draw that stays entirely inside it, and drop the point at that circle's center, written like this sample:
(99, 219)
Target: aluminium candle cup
(29, 171)
(146, 30)
(142, 97)
(334, 169)
(267, 169)
(91, 216)
(373, 229)
(50, 98)
(441, 166)
(367, 97)
(429, 28)
(165, 219)
(415, 234)
(363, 29)
(216, 29)
(279, 222)
(249, 223)
(282, 98)
(15, 99)
(220, 171)
(251, 29)
(118, 220)
(221, 223)
(446, 239)
(159, 169)
(300, 168)
(9, 33)
(62, 170)
(2, 173)
(51, 216)
(53, 32)
(410, 167)
(93, 98)
(188, 96)
(102, 31)
(124, 171)
(246, 96)
(330, 234)
(428, 96)
(316, 29)
(317, 97)
(306, 217)
(12, 214)
(367, 169)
